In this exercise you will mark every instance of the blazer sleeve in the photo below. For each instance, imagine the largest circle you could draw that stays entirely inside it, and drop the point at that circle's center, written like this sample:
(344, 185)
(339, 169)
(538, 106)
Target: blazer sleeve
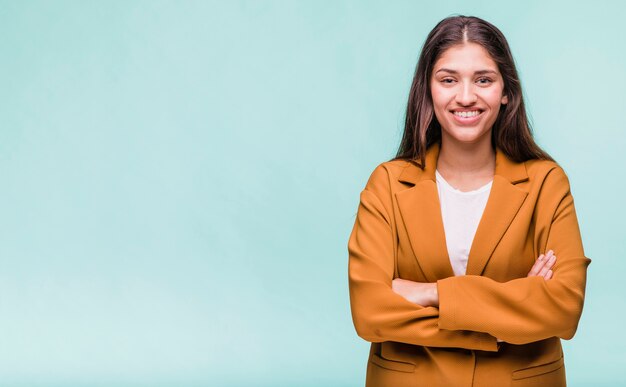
(527, 309)
(378, 313)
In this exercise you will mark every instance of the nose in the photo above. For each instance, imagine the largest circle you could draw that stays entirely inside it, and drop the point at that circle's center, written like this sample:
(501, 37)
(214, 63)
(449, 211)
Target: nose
(466, 94)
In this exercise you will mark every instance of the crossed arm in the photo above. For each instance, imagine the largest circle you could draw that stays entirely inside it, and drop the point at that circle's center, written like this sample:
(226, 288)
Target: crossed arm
(425, 293)
(477, 311)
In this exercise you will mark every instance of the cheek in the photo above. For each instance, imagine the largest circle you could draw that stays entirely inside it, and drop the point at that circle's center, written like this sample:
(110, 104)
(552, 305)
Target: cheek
(494, 97)
(440, 98)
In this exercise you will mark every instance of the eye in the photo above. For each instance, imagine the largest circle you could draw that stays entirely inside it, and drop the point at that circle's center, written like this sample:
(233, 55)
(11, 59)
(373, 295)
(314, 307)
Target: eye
(484, 81)
(445, 80)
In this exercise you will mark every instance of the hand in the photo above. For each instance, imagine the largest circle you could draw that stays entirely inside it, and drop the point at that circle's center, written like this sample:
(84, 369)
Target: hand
(543, 266)
(420, 293)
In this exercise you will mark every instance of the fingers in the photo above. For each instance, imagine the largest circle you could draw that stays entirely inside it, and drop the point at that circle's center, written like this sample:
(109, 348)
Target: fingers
(547, 267)
(537, 266)
(540, 263)
(543, 266)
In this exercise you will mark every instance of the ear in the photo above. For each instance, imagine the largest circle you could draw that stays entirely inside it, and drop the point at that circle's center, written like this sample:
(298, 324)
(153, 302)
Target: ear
(505, 100)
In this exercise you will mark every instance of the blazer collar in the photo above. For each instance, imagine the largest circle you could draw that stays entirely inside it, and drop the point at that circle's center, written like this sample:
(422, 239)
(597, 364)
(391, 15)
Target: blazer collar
(420, 211)
(510, 170)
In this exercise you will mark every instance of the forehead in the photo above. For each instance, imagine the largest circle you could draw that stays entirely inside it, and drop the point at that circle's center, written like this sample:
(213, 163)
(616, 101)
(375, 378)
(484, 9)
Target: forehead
(465, 58)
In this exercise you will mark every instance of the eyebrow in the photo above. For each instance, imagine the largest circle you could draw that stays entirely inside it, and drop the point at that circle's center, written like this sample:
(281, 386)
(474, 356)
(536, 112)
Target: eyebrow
(476, 72)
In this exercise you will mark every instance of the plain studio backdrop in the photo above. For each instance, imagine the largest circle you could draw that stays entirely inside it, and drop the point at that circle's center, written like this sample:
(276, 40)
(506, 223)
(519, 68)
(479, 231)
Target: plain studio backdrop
(178, 180)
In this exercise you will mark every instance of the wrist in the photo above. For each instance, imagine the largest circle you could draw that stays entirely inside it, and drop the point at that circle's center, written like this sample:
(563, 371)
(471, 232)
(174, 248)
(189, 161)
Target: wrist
(433, 295)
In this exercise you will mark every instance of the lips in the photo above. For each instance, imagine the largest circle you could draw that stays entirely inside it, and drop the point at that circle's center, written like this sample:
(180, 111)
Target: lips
(467, 117)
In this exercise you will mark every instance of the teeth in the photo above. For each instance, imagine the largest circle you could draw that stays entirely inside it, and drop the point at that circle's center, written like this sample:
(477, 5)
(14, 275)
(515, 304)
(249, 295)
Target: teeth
(467, 114)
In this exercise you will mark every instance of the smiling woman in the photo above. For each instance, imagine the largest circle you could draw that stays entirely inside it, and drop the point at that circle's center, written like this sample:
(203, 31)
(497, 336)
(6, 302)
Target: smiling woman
(453, 269)
(466, 101)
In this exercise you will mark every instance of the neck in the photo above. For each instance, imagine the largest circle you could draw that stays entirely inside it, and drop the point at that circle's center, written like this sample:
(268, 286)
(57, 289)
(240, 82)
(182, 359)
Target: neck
(460, 159)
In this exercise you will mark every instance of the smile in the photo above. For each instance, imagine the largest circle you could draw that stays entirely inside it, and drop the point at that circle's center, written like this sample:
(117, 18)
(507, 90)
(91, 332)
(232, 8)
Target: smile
(473, 113)
(466, 118)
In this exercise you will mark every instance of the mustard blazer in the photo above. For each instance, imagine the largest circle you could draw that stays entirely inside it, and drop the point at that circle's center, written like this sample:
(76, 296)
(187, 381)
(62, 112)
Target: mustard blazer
(398, 233)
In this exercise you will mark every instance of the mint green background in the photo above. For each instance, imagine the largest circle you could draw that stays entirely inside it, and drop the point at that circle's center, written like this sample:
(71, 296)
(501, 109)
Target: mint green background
(178, 180)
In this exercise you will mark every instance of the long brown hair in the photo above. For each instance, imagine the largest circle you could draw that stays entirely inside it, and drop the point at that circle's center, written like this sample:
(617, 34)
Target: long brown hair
(511, 132)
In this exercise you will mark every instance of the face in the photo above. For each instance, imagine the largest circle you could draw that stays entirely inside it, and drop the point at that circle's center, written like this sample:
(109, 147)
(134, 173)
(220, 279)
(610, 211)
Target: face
(467, 91)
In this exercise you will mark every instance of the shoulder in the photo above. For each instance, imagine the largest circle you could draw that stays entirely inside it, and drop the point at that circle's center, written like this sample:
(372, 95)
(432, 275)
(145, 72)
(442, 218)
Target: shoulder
(392, 168)
(540, 170)
(386, 174)
(547, 179)
(383, 183)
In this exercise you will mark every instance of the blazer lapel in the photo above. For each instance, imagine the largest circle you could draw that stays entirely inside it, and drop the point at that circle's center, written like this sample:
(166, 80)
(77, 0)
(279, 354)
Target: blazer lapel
(421, 213)
(505, 200)
(420, 210)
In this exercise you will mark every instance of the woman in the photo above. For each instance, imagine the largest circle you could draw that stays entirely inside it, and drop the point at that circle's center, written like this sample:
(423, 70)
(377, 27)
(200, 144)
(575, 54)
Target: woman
(466, 265)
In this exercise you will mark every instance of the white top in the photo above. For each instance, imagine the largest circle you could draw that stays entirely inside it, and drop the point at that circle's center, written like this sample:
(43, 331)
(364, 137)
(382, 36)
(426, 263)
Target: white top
(461, 212)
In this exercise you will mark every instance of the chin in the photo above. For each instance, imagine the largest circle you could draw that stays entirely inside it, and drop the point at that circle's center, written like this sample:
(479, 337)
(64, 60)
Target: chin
(468, 137)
